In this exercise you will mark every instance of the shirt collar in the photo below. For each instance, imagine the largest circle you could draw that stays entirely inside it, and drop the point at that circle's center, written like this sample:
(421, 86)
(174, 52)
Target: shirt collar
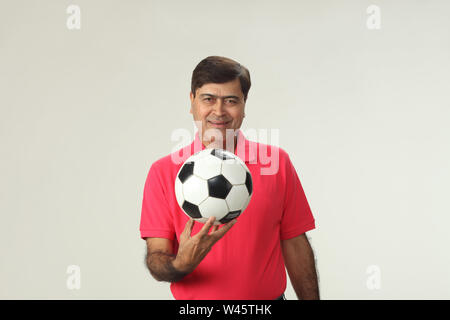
(245, 149)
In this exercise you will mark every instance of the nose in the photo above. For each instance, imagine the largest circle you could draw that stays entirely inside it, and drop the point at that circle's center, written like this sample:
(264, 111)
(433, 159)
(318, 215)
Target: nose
(218, 107)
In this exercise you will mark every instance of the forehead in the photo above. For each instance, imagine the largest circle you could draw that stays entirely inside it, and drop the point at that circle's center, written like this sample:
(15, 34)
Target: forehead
(221, 89)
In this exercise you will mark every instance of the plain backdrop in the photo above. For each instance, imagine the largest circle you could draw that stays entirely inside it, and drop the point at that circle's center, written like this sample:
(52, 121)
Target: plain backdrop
(363, 114)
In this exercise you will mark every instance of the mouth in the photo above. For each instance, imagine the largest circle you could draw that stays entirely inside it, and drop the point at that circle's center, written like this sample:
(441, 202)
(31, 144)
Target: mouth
(219, 124)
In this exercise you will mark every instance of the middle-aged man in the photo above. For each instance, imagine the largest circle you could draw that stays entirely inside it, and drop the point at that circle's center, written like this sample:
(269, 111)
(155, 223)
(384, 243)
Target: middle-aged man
(245, 258)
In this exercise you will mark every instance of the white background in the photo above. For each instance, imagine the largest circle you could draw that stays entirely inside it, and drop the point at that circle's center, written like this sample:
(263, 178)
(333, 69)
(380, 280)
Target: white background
(362, 113)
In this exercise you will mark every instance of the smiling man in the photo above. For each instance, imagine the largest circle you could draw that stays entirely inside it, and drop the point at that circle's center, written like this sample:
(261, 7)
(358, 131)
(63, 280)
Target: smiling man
(218, 108)
(245, 258)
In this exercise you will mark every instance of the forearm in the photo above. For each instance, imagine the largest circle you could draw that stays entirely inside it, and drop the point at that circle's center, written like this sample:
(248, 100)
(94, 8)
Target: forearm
(306, 286)
(162, 268)
(304, 276)
(300, 264)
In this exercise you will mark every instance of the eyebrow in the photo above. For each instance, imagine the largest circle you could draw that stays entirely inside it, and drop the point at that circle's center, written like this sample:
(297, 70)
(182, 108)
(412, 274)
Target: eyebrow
(224, 97)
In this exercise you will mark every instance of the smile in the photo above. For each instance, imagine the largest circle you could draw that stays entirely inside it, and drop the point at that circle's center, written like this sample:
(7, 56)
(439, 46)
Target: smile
(218, 124)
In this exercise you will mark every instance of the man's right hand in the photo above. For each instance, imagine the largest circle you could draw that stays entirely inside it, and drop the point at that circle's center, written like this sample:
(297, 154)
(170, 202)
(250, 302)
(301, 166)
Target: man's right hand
(192, 250)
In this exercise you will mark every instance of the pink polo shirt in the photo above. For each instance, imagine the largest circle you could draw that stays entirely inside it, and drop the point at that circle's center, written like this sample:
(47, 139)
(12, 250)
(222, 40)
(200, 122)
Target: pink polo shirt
(247, 263)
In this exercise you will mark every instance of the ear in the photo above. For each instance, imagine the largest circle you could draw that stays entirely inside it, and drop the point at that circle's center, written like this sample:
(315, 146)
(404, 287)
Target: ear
(191, 97)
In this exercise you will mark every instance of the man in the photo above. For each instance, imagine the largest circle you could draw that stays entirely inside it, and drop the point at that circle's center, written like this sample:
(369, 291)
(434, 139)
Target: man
(245, 258)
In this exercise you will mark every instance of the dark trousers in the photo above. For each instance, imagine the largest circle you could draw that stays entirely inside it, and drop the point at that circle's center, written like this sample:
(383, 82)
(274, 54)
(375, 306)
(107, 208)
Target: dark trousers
(282, 297)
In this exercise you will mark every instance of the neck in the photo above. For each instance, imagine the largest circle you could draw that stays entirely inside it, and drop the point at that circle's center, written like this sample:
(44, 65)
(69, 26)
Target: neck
(228, 144)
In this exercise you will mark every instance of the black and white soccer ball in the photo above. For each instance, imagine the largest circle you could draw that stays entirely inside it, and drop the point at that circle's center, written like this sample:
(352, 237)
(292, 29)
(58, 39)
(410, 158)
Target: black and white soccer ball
(213, 182)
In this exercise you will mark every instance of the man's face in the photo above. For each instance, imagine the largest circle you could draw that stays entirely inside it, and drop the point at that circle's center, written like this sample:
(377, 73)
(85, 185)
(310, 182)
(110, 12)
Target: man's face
(218, 106)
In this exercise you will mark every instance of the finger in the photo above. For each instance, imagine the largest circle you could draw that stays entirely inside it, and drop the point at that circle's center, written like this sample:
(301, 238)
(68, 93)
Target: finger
(188, 228)
(214, 229)
(205, 229)
(221, 232)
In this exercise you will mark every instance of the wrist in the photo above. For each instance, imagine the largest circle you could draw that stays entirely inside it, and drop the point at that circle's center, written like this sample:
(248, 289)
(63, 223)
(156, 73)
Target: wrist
(179, 266)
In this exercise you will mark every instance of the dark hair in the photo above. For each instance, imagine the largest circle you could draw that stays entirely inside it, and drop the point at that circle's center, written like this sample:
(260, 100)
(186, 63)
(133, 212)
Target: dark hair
(215, 69)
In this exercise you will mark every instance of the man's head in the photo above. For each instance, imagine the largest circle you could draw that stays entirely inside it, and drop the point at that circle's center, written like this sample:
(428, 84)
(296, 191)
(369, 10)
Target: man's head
(219, 90)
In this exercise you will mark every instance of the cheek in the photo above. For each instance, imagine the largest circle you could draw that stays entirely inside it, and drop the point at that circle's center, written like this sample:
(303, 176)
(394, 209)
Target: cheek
(200, 114)
(203, 115)
(238, 115)
(204, 112)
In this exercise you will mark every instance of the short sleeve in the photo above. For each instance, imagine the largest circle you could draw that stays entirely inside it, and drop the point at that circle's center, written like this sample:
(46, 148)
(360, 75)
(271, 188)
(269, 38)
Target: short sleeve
(297, 217)
(156, 218)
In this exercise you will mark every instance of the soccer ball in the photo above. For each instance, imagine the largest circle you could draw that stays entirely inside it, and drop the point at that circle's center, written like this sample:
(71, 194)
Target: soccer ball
(213, 182)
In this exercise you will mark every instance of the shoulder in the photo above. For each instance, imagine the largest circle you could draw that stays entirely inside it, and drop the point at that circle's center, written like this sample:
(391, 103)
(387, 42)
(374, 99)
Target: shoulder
(264, 150)
(174, 159)
(159, 168)
(163, 162)
(271, 159)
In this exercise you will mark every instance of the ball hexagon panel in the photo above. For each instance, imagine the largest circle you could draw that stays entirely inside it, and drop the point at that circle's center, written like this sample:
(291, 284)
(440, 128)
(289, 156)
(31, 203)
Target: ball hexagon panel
(237, 197)
(198, 155)
(179, 191)
(219, 187)
(213, 207)
(195, 190)
(207, 167)
(242, 163)
(233, 171)
(247, 201)
(203, 220)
